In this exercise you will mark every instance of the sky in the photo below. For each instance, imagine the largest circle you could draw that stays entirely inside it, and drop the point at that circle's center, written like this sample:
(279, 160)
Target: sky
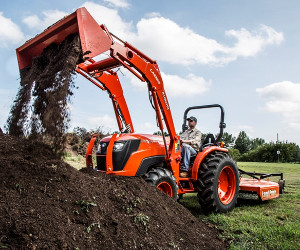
(243, 55)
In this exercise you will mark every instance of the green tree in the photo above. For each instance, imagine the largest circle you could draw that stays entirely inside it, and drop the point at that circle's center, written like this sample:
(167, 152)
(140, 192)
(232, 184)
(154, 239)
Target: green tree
(289, 152)
(297, 154)
(242, 142)
(235, 153)
(82, 133)
(255, 143)
(159, 133)
(228, 139)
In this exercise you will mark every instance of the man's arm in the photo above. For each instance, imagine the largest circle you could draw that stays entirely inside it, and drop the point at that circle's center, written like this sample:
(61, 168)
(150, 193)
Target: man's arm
(196, 141)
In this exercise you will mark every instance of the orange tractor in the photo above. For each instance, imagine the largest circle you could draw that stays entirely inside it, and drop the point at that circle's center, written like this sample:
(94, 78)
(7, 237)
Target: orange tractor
(213, 173)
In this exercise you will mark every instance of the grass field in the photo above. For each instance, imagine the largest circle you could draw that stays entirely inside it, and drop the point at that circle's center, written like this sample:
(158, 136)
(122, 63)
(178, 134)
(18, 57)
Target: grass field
(76, 161)
(273, 224)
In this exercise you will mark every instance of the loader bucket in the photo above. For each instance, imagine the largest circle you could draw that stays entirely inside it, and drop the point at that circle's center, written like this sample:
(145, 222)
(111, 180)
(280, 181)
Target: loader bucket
(93, 37)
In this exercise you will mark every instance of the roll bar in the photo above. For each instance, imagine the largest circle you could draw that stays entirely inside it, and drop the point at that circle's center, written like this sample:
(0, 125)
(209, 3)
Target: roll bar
(222, 125)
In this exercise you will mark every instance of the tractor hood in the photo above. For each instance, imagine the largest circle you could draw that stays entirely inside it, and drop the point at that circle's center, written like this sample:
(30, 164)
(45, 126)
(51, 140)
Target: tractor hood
(145, 138)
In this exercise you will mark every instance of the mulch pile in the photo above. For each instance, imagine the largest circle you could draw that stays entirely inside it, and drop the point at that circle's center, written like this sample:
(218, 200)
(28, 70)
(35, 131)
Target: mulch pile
(47, 204)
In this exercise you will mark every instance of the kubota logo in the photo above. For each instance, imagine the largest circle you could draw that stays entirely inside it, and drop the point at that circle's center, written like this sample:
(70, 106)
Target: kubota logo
(155, 76)
(165, 99)
(269, 193)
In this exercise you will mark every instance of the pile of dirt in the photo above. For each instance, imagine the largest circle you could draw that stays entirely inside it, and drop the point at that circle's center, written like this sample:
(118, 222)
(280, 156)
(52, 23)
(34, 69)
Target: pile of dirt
(45, 203)
(40, 107)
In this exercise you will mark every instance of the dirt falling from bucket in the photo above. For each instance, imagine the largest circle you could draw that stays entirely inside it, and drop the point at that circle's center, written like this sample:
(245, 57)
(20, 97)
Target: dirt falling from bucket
(40, 109)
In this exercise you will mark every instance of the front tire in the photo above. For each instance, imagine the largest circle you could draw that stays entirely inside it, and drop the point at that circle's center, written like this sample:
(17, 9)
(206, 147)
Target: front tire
(218, 180)
(164, 180)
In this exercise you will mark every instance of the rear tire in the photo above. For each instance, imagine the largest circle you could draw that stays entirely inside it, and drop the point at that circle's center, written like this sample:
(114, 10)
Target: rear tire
(164, 180)
(218, 181)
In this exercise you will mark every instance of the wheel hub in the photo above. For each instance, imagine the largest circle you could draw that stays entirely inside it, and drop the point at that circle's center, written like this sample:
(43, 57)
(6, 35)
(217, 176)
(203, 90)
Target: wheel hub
(166, 188)
(226, 185)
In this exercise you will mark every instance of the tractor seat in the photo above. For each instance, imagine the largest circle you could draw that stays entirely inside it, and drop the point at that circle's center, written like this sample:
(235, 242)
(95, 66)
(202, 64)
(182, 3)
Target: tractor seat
(208, 141)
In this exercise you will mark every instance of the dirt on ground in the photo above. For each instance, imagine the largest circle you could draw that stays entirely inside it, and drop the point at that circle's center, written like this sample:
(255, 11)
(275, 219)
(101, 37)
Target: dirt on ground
(47, 204)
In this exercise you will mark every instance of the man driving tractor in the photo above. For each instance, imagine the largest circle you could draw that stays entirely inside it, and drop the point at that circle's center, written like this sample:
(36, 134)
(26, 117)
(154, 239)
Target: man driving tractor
(190, 143)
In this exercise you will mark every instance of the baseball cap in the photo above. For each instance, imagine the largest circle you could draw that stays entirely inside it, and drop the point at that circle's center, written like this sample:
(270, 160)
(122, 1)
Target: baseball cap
(192, 118)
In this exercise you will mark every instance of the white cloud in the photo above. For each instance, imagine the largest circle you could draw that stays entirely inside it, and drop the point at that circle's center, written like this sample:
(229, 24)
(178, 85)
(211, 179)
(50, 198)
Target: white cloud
(250, 131)
(152, 14)
(295, 125)
(135, 82)
(283, 98)
(106, 121)
(249, 44)
(285, 90)
(176, 86)
(10, 33)
(118, 3)
(167, 41)
(111, 19)
(146, 127)
(49, 17)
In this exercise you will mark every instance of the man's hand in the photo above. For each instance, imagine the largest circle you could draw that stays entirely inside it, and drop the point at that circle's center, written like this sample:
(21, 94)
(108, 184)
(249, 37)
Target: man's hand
(186, 141)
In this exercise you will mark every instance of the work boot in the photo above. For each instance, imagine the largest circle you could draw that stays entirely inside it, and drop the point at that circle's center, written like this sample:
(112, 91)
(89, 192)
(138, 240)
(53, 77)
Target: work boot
(183, 174)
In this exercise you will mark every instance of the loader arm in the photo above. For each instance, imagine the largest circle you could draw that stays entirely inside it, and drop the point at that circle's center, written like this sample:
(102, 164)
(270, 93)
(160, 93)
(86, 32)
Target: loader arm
(146, 69)
(109, 81)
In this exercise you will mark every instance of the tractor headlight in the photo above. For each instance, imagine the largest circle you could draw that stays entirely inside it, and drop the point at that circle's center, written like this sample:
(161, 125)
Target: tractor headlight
(102, 147)
(118, 146)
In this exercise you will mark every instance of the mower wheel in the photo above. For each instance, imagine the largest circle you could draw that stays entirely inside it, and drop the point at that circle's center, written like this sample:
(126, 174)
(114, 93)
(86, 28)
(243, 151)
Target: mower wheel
(164, 180)
(281, 186)
(218, 181)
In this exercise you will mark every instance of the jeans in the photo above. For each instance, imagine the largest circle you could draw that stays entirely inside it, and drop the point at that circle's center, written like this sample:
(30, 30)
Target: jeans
(186, 152)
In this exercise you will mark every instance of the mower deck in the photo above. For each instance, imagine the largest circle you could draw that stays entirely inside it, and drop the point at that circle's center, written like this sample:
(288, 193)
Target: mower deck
(266, 190)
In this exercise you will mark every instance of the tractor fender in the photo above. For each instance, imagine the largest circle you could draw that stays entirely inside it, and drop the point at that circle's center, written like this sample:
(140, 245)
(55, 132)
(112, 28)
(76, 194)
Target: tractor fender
(201, 156)
(89, 160)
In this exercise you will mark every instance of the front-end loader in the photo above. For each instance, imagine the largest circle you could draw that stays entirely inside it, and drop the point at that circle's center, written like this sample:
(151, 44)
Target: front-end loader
(213, 173)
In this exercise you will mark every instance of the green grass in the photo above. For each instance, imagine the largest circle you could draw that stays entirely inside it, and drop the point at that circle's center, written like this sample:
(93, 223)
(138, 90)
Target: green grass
(76, 161)
(273, 224)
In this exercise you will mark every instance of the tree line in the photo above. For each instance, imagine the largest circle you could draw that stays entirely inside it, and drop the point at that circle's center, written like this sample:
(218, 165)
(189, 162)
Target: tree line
(242, 148)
